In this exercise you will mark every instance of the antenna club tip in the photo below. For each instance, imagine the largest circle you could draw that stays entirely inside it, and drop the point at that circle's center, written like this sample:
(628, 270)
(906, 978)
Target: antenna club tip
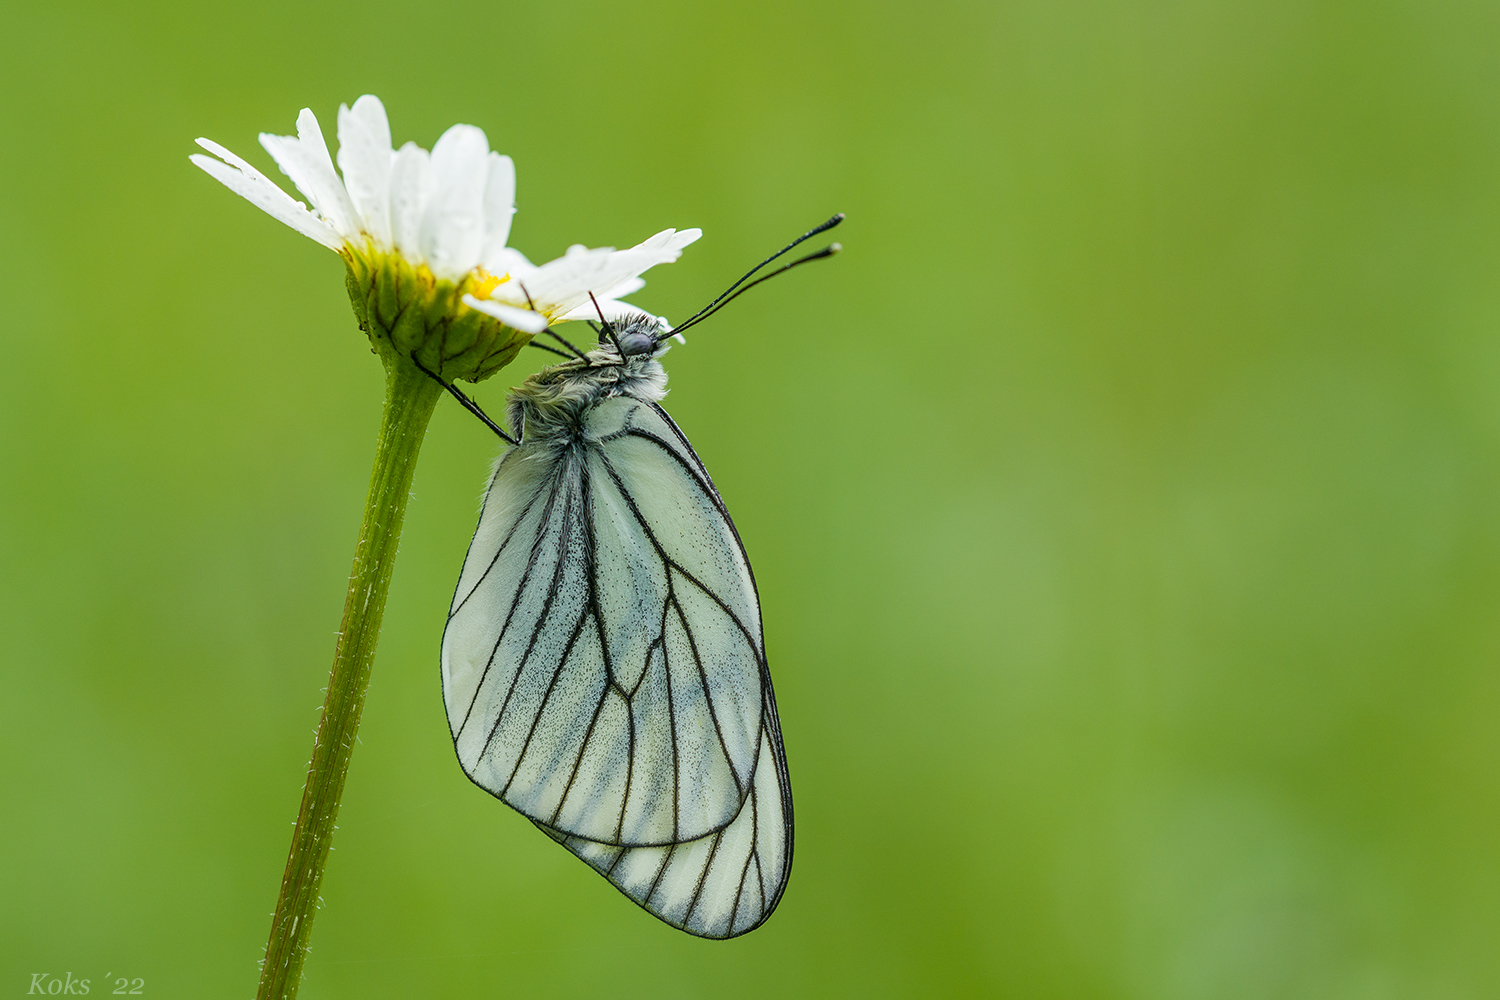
(839, 216)
(835, 247)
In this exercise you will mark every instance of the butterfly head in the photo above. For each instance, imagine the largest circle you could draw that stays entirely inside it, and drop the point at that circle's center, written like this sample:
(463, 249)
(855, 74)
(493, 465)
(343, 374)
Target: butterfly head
(636, 336)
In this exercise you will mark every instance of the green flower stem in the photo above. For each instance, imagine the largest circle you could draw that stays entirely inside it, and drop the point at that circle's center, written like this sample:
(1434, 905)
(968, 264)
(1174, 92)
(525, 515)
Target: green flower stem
(410, 398)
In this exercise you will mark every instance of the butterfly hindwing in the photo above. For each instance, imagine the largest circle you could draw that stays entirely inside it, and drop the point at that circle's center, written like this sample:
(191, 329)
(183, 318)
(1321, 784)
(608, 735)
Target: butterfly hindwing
(717, 886)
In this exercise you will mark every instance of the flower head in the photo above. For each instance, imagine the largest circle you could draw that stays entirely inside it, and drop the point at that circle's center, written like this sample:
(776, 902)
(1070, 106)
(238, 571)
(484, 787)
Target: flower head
(429, 230)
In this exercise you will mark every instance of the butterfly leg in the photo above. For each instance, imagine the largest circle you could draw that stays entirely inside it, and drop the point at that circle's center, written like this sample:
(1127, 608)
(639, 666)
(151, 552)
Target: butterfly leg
(467, 403)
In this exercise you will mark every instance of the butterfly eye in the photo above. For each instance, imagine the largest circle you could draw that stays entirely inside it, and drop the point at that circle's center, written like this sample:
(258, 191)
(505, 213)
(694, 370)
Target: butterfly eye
(637, 342)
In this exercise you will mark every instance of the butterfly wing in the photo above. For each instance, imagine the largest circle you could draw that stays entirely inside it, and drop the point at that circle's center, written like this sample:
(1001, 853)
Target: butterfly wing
(721, 885)
(604, 670)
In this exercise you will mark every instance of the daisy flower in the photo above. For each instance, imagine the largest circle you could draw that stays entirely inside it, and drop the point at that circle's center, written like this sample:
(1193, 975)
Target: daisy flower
(429, 230)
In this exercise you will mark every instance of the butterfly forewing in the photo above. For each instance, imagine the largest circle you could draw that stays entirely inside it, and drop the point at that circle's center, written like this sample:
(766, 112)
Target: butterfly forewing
(603, 667)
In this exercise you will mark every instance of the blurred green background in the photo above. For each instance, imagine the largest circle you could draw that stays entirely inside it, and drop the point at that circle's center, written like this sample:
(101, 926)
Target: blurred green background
(1125, 501)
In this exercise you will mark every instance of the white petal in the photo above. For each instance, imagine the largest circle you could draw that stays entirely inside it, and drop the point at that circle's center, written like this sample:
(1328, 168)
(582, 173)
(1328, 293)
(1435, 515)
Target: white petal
(562, 285)
(546, 284)
(509, 261)
(240, 164)
(520, 319)
(613, 309)
(627, 287)
(499, 205)
(670, 239)
(365, 159)
(410, 173)
(660, 239)
(452, 232)
(306, 161)
(340, 211)
(250, 184)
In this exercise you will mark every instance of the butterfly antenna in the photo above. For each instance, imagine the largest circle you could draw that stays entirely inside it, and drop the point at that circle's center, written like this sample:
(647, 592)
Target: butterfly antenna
(606, 328)
(551, 332)
(822, 254)
(566, 343)
(468, 403)
(703, 313)
(549, 350)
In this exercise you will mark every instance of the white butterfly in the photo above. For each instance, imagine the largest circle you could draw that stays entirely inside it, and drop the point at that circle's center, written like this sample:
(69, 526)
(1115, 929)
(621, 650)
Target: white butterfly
(604, 667)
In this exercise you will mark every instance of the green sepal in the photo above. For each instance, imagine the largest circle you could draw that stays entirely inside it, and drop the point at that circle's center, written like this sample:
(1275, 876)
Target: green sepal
(406, 311)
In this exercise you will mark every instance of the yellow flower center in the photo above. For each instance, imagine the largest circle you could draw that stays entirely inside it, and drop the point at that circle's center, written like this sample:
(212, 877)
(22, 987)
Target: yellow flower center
(479, 283)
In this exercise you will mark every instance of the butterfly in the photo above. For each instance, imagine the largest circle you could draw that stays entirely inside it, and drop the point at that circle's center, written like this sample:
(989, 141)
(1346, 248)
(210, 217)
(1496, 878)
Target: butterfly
(603, 665)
